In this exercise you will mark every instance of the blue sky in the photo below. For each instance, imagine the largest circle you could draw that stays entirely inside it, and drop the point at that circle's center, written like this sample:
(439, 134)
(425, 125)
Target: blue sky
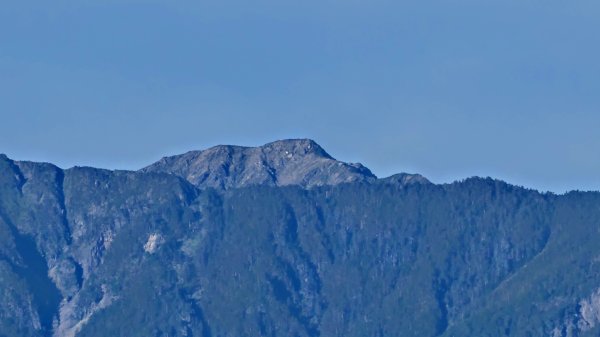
(450, 89)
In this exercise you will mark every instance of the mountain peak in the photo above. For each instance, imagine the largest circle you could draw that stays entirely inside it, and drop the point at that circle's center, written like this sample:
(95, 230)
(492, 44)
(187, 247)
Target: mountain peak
(406, 179)
(292, 147)
(300, 162)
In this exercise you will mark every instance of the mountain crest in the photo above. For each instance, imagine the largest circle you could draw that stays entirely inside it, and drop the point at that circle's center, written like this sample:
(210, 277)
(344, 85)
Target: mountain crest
(296, 147)
(285, 162)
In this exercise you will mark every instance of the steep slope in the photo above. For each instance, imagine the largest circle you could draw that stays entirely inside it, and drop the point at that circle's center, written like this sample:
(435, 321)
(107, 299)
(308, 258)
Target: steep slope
(89, 252)
(287, 162)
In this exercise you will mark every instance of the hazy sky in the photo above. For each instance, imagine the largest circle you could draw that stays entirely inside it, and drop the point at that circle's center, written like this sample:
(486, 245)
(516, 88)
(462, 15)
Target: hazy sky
(450, 89)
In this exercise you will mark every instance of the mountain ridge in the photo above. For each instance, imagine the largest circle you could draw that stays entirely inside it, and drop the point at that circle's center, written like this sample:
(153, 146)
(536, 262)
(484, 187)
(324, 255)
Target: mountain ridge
(285, 162)
(204, 169)
(209, 168)
(362, 174)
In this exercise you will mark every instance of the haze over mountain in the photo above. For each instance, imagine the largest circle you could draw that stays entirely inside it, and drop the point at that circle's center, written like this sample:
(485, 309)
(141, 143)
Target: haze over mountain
(283, 240)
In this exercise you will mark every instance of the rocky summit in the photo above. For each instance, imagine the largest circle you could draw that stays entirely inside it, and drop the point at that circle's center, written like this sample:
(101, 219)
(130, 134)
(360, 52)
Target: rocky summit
(283, 240)
(287, 162)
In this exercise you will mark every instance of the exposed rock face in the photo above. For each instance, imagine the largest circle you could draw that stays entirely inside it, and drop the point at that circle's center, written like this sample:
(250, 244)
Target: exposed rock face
(589, 309)
(154, 240)
(580, 319)
(287, 162)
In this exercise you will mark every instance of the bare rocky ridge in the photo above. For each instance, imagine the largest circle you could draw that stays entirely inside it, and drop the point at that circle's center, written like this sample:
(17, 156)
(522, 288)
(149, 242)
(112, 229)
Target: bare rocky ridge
(405, 179)
(286, 162)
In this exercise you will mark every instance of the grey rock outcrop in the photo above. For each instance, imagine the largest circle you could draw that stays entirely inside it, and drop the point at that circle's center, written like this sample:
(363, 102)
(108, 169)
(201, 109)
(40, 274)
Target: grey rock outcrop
(405, 179)
(286, 162)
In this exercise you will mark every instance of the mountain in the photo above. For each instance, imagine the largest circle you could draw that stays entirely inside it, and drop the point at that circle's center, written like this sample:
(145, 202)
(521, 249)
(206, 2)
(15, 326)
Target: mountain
(320, 248)
(287, 162)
